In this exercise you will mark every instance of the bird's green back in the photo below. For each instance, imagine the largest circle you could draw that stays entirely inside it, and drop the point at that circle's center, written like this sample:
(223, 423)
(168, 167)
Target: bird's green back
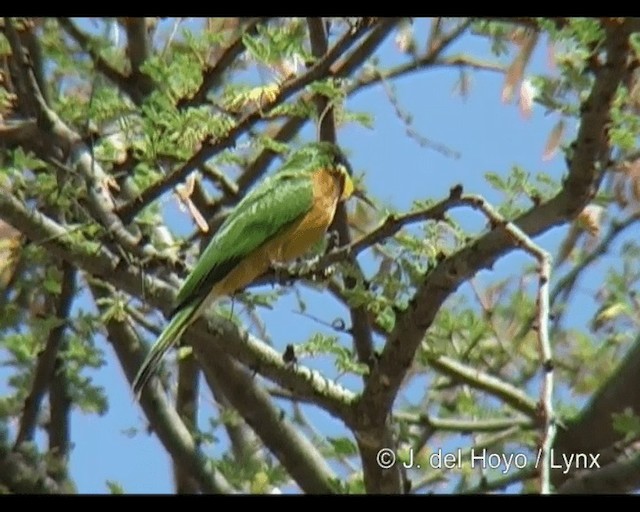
(266, 211)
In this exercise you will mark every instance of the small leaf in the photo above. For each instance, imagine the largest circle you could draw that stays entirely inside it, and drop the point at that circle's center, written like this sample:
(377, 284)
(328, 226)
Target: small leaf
(569, 243)
(527, 94)
(553, 141)
(626, 423)
(114, 487)
(515, 72)
(608, 313)
(343, 446)
(590, 219)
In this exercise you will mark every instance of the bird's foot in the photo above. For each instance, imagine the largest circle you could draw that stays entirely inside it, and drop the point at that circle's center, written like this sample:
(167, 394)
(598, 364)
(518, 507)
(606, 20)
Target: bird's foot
(307, 266)
(308, 269)
(333, 241)
(283, 273)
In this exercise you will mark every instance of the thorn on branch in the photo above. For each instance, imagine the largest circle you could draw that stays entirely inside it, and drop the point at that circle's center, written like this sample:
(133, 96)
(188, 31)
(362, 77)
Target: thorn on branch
(456, 192)
(289, 355)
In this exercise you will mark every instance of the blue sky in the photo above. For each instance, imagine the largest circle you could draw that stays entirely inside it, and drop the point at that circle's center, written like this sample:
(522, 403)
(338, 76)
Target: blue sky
(489, 135)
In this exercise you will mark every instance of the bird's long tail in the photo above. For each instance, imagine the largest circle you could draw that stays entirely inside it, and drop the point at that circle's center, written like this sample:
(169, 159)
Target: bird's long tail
(171, 334)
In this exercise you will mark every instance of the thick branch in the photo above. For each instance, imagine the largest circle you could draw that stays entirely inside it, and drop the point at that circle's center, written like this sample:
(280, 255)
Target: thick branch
(621, 476)
(296, 453)
(187, 408)
(139, 50)
(162, 417)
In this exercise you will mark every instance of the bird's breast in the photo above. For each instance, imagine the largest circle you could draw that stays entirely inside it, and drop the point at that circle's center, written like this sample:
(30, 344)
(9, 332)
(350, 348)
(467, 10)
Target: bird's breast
(291, 243)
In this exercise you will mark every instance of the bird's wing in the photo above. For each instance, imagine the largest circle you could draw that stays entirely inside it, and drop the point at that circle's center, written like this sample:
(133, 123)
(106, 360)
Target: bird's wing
(261, 215)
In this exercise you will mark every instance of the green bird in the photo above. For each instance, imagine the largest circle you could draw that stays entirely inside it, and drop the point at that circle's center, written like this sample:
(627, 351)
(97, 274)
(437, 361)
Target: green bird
(276, 222)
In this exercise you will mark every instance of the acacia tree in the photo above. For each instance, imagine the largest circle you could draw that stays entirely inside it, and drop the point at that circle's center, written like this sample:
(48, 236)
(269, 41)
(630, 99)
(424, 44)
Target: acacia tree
(97, 129)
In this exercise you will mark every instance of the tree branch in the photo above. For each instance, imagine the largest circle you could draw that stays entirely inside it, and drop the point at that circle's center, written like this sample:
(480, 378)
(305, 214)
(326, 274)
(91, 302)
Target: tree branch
(464, 426)
(138, 50)
(163, 418)
(618, 477)
(213, 74)
(120, 80)
(210, 147)
(246, 447)
(296, 453)
(223, 335)
(591, 154)
(187, 409)
(46, 364)
(506, 392)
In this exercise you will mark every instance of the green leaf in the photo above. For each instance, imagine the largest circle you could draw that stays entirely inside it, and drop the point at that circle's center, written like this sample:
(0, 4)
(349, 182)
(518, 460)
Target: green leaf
(115, 487)
(343, 446)
(627, 423)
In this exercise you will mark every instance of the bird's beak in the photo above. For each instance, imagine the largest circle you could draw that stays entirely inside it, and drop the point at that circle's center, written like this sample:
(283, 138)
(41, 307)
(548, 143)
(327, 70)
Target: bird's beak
(361, 195)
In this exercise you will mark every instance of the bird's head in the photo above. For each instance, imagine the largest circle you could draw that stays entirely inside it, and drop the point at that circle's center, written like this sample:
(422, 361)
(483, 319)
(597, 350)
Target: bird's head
(324, 155)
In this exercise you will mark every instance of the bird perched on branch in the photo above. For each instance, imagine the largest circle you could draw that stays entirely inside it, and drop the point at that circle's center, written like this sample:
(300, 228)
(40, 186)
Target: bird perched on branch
(278, 221)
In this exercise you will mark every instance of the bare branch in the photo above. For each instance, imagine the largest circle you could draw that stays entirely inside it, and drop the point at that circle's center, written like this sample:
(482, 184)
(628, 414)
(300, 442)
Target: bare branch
(296, 453)
(507, 393)
(466, 426)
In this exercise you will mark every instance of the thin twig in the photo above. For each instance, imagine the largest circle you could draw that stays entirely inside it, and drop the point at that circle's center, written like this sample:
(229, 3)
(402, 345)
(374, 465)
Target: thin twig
(213, 74)
(466, 426)
(507, 393)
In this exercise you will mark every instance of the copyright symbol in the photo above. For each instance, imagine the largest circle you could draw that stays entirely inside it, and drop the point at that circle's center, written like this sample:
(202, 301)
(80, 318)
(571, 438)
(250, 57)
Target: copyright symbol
(386, 458)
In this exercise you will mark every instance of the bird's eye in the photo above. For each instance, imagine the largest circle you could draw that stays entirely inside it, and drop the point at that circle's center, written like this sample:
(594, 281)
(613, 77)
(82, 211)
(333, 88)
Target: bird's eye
(342, 164)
